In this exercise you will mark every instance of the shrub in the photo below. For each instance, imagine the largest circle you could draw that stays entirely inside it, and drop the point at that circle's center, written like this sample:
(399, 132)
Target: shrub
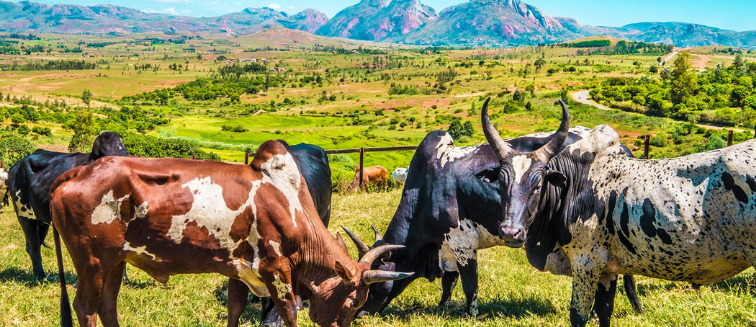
(13, 148)
(153, 147)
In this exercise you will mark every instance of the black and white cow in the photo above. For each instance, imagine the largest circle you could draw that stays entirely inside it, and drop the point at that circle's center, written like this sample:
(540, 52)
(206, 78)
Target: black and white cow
(29, 183)
(312, 162)
(592, 213)
(449, 210)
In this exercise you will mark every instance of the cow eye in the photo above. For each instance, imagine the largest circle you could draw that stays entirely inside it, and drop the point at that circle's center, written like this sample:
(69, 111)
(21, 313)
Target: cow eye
(488, 175)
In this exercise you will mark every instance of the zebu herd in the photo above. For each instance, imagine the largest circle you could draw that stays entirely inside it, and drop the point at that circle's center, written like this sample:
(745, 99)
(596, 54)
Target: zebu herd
(575, 199)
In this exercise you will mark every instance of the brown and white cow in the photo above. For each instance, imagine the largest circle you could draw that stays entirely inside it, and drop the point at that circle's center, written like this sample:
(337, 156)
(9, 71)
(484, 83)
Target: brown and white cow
(256, 223)
(373, 175)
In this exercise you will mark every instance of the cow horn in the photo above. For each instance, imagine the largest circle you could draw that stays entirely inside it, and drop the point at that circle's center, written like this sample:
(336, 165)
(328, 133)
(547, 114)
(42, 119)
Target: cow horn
(378, 237)
(549, 150)
(498, 145)
(378, 252)
(379, 276)
(362, 248)
(340, 240)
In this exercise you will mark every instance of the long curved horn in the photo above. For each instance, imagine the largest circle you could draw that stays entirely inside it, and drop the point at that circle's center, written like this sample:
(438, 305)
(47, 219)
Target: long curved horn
(377, 252)
(498, 145)
(379, 276)
(378, 237)
(362, 248)
(549, 150)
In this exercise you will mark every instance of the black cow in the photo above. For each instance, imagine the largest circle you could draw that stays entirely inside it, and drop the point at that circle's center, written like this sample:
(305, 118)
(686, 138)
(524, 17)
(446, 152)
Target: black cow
(313, 164)
(450, 209)
(29, 183)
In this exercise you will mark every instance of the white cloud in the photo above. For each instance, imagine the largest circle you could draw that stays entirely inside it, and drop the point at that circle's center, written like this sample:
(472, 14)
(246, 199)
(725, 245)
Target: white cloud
(186, 12)
(274, 6)
(169, 11)
(291, 7)
(172, 1)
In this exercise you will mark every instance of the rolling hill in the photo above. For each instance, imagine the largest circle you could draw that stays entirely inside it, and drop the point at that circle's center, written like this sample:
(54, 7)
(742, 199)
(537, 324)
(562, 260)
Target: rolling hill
(473, 23)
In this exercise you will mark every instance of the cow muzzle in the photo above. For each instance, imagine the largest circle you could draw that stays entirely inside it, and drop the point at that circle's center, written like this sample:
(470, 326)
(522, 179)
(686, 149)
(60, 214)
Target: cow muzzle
(514, 236)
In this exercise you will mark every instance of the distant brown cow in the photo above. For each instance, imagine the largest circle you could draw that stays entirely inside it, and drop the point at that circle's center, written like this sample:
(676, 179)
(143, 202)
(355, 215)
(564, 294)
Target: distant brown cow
(374, 175)
(254, 223)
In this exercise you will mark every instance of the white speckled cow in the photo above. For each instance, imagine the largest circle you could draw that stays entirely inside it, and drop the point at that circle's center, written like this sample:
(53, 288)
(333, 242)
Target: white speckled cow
(399, 176)
(3, 189)
(592, 213)
(254, 223)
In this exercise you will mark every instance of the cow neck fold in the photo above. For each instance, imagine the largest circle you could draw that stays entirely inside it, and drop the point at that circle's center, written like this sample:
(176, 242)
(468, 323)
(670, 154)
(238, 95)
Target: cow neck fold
(550, 224)
(320, 251)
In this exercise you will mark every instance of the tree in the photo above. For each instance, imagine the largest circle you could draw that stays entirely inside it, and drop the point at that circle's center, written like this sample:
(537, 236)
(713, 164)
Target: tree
(457, 129)
(683, 82)
(539, 64)
(82, 128)
(740, 65)
(86, 97)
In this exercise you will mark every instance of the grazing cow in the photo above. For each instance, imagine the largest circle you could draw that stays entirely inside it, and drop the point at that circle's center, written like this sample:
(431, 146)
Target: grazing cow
(592, 213)
(3, 189)
(255, 223)
(448, 211)
(29, 183)
(312, 162)
(374, 175)
(400, 177)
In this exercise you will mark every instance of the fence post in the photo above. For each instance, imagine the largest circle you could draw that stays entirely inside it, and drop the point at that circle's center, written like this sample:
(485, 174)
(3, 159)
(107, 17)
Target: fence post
(362, 163)
(2, 165)
(645, 146)
(246, 158)
(729, 138)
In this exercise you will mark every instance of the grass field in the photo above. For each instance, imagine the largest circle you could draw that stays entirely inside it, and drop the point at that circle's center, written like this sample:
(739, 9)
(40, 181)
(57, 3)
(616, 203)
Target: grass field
(511, 292)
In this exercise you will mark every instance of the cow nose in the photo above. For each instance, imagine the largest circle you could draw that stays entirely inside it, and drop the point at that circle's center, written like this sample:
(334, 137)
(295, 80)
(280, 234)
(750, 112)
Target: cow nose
(512, 234)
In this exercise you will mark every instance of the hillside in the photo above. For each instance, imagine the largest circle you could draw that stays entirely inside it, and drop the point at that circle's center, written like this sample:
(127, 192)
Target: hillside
(492, 22)
(473, 23)
(383, 20)
(32, 17)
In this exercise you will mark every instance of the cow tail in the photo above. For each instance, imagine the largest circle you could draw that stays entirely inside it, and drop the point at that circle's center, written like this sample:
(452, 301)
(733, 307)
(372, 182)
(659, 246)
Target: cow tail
(632, 296)
(6, 197)
(66, 320)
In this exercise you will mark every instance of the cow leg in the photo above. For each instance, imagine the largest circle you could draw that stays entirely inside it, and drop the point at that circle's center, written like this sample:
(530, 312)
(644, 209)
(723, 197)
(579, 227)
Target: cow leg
(281, 292)
(33, 243)
(87, 300)
(585, 277)
(237, 301)
(604, 306)
(270, 316)
(112, 285)
(468, 273)
(448, 282)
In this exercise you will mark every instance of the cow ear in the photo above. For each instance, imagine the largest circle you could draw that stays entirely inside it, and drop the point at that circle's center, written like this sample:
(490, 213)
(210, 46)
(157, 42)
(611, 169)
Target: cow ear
(488, 175)
(555, 178)
(344, 272)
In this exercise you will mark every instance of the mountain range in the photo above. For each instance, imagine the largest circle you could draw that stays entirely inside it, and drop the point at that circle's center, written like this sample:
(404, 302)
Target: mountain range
(473, 23)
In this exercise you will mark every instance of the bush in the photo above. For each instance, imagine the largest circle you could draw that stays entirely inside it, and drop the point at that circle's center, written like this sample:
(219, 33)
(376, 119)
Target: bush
(44, 131)
(14, 148)
(153, 147)
(235, 129)
(658, 140)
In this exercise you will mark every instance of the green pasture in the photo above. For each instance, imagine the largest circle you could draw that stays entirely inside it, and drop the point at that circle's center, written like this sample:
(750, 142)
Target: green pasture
(511, 292)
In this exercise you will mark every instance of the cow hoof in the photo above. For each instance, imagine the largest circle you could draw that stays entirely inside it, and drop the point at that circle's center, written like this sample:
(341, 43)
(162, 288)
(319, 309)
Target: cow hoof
(277, 323)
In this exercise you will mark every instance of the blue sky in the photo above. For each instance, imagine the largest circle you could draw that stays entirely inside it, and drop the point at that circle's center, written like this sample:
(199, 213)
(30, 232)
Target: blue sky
(728, 14)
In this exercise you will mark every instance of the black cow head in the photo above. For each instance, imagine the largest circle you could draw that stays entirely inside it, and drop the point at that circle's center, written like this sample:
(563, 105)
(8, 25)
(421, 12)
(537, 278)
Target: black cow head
(107, 144)
(522, 176)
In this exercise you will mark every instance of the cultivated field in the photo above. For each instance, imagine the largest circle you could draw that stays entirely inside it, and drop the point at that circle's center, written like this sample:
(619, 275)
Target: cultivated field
(511, 292)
